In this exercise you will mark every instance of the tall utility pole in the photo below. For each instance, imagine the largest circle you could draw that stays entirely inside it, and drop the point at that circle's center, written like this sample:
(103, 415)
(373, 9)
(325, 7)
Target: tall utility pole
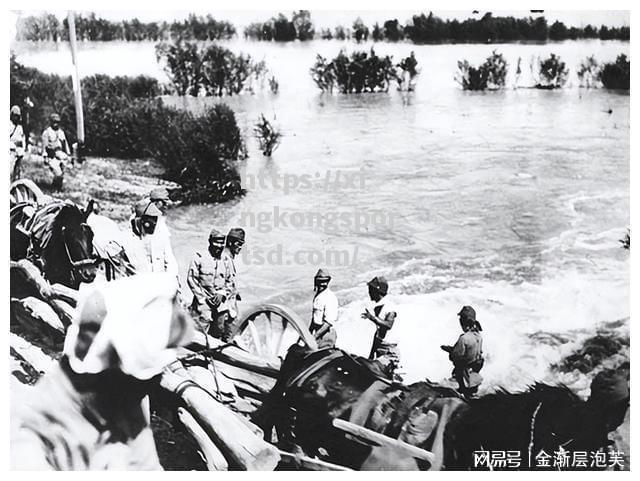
(77, 91)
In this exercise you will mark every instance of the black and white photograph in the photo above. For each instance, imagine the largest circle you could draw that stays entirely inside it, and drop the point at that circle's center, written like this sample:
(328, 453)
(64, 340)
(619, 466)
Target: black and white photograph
(319, 239)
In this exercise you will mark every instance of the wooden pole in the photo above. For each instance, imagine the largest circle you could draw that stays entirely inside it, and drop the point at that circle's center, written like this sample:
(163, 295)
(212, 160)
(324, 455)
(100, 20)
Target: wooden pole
(378, 439)
(77, 91)
(239, 444)
(214, 458)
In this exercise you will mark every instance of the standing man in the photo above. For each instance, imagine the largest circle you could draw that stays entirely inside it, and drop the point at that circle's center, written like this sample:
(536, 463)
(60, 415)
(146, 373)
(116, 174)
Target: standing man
(54, 141)
(325, 311)
(207, 280)
(56, 149)
(17, 142)
(383, 315)
(234, 243)
(160, 198)
(159, 253)
(466, 353)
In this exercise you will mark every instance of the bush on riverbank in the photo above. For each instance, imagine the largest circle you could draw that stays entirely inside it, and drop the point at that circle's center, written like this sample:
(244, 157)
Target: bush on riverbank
(616, 75)
(209, 70)
(362, 72)
(491, 74)
(123, 118)
(552, 73)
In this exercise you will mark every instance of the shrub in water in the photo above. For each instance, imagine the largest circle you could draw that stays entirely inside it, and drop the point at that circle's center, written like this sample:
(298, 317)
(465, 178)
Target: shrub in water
(357, 73)
(491, 74)
(267, 135)
(588, 72)
(616, 75)
(407, 73)
(552, 73)
(209, 70)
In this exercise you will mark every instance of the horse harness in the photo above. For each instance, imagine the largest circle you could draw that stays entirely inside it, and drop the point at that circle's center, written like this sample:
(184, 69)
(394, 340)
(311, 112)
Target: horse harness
(36, 226)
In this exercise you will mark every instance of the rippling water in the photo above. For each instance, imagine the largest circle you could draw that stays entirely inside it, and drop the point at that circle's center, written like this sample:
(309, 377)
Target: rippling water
(510, 201)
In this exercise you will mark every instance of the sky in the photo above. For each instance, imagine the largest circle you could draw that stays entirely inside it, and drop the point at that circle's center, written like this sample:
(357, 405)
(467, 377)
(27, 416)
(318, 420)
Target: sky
(324, 18)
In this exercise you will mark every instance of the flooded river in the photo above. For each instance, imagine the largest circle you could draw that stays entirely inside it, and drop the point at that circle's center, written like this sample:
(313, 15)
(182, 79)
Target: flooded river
(509, 201)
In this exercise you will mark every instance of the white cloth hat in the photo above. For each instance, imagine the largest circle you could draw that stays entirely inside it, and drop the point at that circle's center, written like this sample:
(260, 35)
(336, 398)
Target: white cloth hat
(137, 323)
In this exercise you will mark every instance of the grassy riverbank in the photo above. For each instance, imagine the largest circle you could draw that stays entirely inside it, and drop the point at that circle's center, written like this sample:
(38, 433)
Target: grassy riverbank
(115, 184)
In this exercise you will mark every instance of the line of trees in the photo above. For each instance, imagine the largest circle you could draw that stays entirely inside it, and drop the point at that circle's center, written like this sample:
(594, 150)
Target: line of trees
(432, 29)
(419, 29)
(47, 27)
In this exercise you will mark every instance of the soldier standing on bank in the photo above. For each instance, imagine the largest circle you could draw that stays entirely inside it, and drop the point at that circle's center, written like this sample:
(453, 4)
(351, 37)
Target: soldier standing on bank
(233, 246)
(207, 279)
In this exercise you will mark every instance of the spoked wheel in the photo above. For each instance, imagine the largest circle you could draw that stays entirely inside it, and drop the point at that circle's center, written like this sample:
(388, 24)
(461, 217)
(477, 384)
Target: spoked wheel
(25, 190)
(269, 330)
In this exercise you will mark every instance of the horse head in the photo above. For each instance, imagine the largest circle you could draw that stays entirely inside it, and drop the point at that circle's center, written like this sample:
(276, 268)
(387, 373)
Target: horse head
(71, 253)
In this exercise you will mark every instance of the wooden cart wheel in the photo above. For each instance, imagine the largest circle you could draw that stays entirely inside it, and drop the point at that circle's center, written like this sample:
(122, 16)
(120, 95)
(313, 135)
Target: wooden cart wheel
(25, 190)
(269, 330)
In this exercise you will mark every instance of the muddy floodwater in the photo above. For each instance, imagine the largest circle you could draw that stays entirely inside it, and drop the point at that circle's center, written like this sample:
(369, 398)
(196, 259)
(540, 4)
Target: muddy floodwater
(510, 201)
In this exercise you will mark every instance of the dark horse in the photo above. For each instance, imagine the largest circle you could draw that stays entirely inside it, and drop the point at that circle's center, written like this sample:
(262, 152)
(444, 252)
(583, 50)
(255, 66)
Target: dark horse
(57, 239)
(317, 387)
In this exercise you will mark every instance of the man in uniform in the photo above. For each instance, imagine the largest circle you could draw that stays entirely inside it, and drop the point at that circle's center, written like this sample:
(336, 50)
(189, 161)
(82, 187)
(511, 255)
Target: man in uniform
(325, 311)
(207, 279)
(382, 314)
(234, 243)
(17, 142)
(466, 353)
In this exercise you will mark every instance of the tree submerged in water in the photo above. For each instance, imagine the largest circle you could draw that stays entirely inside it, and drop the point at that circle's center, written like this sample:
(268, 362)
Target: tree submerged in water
(407, 73)
(490, 75)
(268, 136)
(616, 75)
(211, 70)
(363, 72)
(589, 72)
(552, 73)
